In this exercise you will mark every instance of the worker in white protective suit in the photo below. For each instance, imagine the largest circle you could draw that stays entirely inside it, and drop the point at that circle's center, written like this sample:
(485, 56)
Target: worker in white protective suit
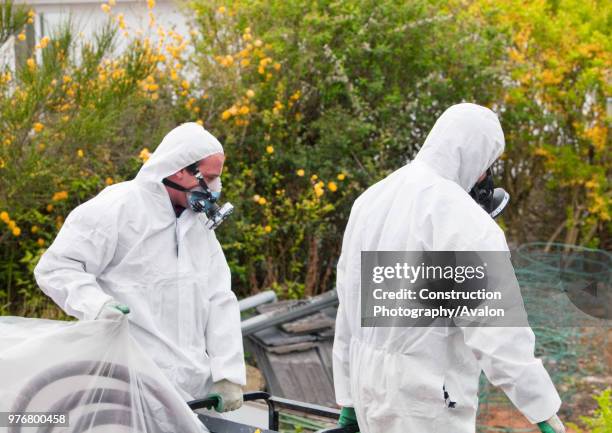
(139, 244)
(393, 378)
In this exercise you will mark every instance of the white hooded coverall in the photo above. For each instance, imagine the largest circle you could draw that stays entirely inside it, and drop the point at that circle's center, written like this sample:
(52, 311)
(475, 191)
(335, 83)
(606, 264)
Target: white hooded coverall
(127, 244)
(394, 376)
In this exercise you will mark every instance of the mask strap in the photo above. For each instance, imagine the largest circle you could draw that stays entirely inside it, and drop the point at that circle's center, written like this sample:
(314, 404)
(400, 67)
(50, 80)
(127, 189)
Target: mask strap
(173, 185)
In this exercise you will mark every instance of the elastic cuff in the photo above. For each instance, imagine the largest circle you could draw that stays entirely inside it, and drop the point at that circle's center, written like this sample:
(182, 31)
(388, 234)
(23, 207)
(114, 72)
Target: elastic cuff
(347, 417)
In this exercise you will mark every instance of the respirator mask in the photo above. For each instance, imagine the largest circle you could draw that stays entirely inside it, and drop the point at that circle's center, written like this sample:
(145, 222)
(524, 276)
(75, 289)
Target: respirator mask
(204, 198)
(492, 200)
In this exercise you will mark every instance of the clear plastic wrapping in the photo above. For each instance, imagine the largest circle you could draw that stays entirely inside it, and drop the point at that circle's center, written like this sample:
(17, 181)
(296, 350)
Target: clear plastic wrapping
(92, 371)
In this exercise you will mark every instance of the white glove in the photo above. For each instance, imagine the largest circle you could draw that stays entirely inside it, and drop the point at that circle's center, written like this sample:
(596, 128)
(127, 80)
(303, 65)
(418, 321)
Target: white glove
(112, 310)
(555, 424)
(229, 393)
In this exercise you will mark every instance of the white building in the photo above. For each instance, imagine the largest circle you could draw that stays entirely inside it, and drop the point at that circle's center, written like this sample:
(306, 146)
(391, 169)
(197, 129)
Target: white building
(88, 16)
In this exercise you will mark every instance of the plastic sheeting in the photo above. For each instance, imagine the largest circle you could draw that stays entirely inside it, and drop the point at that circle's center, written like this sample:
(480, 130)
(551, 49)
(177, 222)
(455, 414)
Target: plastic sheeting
(93, 371)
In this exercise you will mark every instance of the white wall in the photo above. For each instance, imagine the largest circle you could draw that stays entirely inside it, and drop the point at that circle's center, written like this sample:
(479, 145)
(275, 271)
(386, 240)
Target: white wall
(87, 16)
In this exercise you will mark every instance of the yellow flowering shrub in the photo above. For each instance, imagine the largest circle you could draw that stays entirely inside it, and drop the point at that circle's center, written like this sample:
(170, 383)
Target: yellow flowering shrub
(311, 111)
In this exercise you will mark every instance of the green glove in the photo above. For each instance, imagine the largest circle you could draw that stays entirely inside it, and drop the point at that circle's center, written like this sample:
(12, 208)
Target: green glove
(123, 308)
(552, 425)
(347, 417)
(219, 405)
(227, 394)
(545, 428)
(113, 310)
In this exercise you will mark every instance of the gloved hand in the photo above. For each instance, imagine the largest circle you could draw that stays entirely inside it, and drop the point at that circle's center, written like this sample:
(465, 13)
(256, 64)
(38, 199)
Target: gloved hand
(112, 310)
(347, 417)
(553, 425)
(229, 394)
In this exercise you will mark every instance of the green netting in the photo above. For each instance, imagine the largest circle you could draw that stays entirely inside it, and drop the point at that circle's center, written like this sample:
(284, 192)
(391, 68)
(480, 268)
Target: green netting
(574, 355)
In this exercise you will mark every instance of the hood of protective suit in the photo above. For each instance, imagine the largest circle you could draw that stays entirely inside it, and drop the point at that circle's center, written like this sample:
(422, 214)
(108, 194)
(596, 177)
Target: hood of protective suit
(181, 147)
(464, 142)
(127, 245)
(425, 379)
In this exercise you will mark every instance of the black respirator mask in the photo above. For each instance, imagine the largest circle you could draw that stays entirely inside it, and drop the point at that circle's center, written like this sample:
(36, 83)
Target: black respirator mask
(492, 200)
(202, 200)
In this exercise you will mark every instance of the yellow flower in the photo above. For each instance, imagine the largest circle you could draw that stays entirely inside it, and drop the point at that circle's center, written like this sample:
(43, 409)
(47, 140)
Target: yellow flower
(278, 105)
(105, 8)
(250, 93)
(34, 229)
(221, 9)
(262, 201)
(245, 62)
(144, 154)
(270, 149)
(44, 42)
(150, 4)
(4, 216)
(31, 63)
(49, 207)
(314, 177)
(38, 126)
(40, 242)
(11, 224)
(16, 231)
(226, 115)
(258, 43)
(200, 122)
(60, 195)
(109, 181)
(332, 186)
(121, 21)
(341, 176)
(80, 153)
(548, 77)
(21, 36)
(268, 229)
(277, 66)
(185, 84)
(300, 172)
(318, 189)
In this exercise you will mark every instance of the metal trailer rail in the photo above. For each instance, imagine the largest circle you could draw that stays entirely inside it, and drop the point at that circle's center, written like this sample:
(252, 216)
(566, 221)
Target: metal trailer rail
(263, 321)
(255, 300)
(219, 425)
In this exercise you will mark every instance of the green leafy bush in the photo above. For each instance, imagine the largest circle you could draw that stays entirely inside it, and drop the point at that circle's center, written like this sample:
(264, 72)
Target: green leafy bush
(314, 102)
(601, 420)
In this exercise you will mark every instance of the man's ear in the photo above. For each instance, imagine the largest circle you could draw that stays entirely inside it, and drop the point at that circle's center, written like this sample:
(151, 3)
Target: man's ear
(180, 174)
